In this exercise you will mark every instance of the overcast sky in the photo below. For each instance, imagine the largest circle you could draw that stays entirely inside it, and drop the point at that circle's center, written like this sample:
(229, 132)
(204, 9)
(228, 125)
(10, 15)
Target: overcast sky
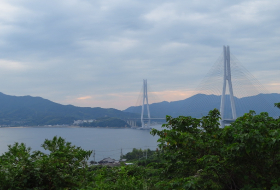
(96, 53)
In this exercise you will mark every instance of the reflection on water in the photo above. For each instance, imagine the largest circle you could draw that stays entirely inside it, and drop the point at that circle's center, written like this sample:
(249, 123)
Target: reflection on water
(106, 142)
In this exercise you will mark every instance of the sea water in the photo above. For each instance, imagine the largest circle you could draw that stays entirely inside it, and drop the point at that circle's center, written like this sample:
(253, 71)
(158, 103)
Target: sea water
(106, 142)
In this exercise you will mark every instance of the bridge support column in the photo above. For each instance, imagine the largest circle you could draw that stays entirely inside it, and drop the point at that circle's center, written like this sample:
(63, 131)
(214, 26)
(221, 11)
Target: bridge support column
(227, 78)
(145, 97)
(132, 123)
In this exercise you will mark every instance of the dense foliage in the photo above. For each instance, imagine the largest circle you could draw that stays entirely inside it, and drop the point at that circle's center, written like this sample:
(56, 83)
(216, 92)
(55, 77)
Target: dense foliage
(200, 155)
(63, 167)
(142, 157)
(193, 154)
(131, 177)
(138, 154)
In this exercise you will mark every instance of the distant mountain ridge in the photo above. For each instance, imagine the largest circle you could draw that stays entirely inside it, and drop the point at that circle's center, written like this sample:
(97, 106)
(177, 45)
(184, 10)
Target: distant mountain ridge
(31, 111)
(200, 104)
(28, 110)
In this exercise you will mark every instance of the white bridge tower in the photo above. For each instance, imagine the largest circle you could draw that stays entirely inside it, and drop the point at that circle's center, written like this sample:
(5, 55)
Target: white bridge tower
(227, 78)
(145, 97)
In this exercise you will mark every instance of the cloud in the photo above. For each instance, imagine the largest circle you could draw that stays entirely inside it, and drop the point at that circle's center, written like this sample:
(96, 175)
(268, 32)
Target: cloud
(274, 84)
(62, 50)
(12, 66)
(84, 98)
(113, 46)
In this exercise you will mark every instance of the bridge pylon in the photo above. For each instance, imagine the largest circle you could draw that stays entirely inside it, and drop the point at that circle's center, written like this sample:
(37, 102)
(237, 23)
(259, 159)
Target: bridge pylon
(145, 101)
(227, 78)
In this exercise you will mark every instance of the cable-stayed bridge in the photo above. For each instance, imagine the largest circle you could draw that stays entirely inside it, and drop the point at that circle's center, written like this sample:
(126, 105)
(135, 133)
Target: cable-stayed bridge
(228, 87)
(145, 103)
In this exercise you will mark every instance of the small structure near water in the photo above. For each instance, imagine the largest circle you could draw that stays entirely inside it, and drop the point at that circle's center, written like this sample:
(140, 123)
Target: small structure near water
(111, 162)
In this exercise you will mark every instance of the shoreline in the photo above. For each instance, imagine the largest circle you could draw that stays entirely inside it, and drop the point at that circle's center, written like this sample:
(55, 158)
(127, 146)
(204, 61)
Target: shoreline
(70, 126)
(65, 126)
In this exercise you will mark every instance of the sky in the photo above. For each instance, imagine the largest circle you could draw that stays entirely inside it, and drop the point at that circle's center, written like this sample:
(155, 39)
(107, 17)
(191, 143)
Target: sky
(97, 53)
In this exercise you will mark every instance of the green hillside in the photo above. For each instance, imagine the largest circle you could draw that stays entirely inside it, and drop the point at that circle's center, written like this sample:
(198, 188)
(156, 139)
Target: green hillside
(28, 110)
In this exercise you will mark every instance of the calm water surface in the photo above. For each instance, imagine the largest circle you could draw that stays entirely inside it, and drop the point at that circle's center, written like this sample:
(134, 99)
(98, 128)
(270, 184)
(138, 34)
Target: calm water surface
(106, 142)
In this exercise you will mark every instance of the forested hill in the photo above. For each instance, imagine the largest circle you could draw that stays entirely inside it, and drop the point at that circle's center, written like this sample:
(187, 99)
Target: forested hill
(199, 105)
(27, 110)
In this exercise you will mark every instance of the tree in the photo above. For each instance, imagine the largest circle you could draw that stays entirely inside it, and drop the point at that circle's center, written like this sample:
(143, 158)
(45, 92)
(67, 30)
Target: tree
(137, 154)
(199, 154)
(64, 167)
(18, 168)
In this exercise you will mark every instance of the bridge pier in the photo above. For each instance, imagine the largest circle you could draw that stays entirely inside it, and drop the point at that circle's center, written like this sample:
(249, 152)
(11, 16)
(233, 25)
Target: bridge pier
(227, 78)
(132, 123)
(145, 101)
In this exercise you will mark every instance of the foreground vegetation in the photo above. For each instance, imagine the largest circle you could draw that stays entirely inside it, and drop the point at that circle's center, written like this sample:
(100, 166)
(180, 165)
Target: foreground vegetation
(193, 154)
